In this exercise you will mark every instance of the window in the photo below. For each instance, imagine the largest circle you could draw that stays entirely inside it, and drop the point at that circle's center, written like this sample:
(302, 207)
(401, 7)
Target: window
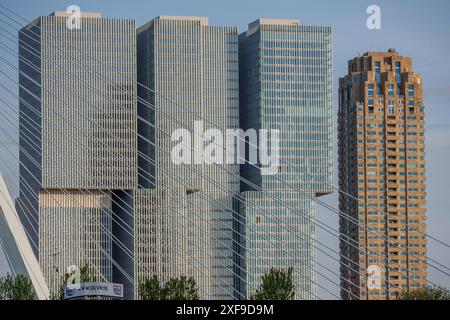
(379, 91)
(411, 91)
(411, 106)
(398, 74)
(370, 105)
(391, 90)
(378, 71)
(391, 106)
(370, 90)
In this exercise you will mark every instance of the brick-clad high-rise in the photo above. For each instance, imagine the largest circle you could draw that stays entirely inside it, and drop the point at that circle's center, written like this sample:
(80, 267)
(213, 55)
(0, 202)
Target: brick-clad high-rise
(382, 164)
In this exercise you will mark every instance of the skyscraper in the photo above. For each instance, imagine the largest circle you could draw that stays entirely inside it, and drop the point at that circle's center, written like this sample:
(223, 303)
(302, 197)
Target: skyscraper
(191, 69)
(382, 165)
(77, 153)
(286, 85)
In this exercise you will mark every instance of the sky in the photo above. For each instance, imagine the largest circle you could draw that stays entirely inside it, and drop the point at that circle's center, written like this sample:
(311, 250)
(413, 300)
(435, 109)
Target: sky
(419, 29)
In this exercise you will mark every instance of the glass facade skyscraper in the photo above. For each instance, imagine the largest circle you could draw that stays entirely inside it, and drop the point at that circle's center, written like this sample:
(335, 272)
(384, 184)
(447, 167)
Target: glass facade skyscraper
(191, 69)
(103, 191)
(285, 84)
(79, 87)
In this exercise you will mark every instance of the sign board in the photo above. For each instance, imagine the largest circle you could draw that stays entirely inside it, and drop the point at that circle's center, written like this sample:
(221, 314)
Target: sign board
(93, 289)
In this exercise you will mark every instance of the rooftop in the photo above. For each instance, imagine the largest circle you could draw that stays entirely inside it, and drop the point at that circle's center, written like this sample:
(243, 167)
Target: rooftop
(278, 22)
(203, 20)
(82, 14)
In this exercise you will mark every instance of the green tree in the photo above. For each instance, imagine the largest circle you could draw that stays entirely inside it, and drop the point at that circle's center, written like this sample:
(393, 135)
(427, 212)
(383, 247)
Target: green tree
(426, 293)
(181, 288)
(150, 289)
(16, 288)
(276, 284)
(85, 276)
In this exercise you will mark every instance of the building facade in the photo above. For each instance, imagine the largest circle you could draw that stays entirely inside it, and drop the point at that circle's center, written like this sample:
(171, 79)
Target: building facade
(79, 87)
(382, 168)
(285, 85)
(94, 192)
(191, 70)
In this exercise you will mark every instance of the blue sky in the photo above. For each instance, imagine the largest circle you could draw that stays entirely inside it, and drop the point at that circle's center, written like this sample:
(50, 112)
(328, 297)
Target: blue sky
(418, 29)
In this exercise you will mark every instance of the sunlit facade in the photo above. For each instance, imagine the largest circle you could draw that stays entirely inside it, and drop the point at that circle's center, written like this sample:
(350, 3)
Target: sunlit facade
(77, 137)
(285, 85)
(191, 69)
(382, 168)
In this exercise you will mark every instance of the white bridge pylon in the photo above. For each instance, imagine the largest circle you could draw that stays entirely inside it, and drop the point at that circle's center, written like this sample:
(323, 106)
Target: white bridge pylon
(17, 248)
